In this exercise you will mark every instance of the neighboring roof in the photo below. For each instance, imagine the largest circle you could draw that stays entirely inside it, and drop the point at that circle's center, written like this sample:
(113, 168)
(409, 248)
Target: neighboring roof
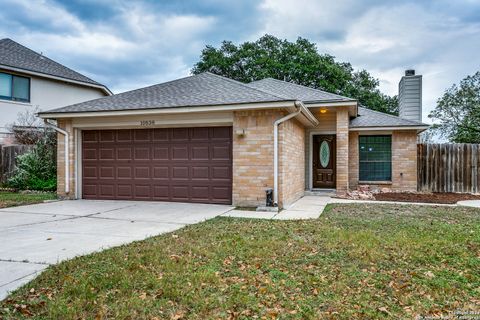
(294, 91)
(13, 54)
(369, 118)
(204, 89)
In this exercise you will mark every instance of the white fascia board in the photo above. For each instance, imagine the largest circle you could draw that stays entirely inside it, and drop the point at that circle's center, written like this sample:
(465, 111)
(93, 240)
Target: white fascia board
(174, 110)
(48, 76)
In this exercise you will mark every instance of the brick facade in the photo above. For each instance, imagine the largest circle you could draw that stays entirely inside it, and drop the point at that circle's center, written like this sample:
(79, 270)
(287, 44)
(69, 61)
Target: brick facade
(353, 158)
(343, 120)
(404, 160)
(253, 158)
(291, 162)
(67, 126)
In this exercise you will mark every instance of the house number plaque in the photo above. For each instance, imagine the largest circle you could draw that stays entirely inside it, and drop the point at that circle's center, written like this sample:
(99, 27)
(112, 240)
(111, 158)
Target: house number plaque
(147, 123)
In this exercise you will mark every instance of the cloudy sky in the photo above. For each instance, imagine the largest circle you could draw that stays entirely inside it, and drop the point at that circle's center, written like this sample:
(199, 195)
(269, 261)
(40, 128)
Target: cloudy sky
(130, 44)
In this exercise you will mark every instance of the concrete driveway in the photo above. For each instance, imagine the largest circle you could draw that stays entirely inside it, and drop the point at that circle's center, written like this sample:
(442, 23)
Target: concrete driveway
(34, 236)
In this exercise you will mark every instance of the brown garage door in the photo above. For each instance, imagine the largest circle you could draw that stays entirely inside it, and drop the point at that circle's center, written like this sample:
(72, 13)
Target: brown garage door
(180, 164)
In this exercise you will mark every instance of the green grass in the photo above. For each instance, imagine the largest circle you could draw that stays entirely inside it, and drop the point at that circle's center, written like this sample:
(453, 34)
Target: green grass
(11, 199)
(355, 261)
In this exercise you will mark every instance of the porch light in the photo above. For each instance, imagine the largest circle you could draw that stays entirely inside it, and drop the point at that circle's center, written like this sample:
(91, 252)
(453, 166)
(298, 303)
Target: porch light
(240, 132)
(323, 110)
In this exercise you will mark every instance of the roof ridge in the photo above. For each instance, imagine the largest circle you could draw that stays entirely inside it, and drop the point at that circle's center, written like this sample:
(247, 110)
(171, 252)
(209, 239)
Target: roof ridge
(245, 85)
(302, 86)
(391, 115)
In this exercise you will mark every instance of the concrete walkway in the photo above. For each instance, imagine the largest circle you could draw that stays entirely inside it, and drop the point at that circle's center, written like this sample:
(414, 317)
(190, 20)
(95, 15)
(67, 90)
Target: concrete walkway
(469, 203)
(36, 236)
(308, 207)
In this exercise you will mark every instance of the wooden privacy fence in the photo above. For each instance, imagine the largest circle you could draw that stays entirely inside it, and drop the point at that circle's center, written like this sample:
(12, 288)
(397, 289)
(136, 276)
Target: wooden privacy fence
(449, 167)
(8, 154)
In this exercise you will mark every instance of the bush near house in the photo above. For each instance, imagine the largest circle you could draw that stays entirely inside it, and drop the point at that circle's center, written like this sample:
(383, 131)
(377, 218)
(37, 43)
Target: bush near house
(36, 170)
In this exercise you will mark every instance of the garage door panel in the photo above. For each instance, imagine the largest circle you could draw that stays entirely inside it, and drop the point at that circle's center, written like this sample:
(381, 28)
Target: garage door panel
(161, 153)
(107, 136)
(90, 136)
(221, 152)
(169, 164)
(181, 173)
(179, 153)
(124, 153)
(161, 135)
(142, 153)
(200, 134)
(124, 191)
(107, 190)
(124, 136)
(141, 135)
(124, 172)
(107, 154)
(221, 133)
(142, 191)
(179, 134)
(89, 154)
(107, 172)
(161, 173)
(200, 152)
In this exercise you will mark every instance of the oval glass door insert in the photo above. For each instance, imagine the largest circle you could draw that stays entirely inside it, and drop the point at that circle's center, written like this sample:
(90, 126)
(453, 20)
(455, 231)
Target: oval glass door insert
(324, 154)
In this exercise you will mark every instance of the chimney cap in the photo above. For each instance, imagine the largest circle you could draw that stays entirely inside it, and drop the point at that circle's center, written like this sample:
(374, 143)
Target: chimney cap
(410, 72)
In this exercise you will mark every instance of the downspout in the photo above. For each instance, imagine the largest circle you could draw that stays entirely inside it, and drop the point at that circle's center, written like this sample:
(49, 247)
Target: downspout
(299, 106)
(67, 158)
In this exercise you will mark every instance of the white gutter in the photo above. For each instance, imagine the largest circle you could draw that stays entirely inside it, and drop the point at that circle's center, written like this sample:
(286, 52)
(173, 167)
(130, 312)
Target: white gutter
(67, 158)
(299, 105)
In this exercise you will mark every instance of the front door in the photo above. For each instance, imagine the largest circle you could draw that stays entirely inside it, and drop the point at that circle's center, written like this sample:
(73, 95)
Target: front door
(324, 156)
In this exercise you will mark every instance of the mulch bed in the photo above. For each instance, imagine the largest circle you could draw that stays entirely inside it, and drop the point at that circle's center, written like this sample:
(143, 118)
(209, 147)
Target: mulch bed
(447, 198)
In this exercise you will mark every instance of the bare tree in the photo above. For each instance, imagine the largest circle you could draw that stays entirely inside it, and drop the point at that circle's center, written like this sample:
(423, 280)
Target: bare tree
(28, 129)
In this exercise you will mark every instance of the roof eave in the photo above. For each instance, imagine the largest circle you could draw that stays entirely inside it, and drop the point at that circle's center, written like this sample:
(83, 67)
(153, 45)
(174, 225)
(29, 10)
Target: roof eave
(171, 110)
(49, 76)
(419, 128)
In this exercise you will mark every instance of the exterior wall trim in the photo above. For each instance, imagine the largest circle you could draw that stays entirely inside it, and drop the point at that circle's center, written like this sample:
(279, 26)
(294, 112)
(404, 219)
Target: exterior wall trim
(310, 153)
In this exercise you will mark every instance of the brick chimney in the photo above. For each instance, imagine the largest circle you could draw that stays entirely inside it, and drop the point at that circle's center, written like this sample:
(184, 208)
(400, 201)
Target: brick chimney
(410, 96)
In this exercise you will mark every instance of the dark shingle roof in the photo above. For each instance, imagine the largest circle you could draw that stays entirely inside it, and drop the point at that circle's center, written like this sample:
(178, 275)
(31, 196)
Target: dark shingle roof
(290, 90)
(13, 54)
(204, 89)
(370, 118)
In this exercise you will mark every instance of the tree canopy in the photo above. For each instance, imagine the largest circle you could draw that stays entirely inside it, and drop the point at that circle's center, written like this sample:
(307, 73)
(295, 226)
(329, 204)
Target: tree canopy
(297, 62)
(458, 111)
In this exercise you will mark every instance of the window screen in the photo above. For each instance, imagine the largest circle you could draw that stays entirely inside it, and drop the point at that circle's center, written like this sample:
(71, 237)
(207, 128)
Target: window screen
(375, 158)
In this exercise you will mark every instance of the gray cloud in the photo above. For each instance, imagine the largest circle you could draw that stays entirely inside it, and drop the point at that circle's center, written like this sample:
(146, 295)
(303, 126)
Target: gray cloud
(127, 45)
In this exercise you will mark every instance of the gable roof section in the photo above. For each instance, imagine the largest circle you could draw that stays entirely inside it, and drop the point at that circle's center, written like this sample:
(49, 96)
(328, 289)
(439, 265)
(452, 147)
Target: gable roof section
(372, 119)
(14, 55)
(204, 89)
(294, 91)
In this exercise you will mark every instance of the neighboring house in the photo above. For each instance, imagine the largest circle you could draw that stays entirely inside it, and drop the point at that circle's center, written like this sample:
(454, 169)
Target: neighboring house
(29, 80)
(210, 139)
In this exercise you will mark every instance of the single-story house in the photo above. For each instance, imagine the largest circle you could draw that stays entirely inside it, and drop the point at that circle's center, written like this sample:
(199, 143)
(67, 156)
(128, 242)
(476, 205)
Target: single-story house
(210, 139)
(30, 81)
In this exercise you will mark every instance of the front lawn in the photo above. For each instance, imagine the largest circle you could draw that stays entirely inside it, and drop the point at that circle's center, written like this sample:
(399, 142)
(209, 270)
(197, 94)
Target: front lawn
(355, 261)
(11, 199)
